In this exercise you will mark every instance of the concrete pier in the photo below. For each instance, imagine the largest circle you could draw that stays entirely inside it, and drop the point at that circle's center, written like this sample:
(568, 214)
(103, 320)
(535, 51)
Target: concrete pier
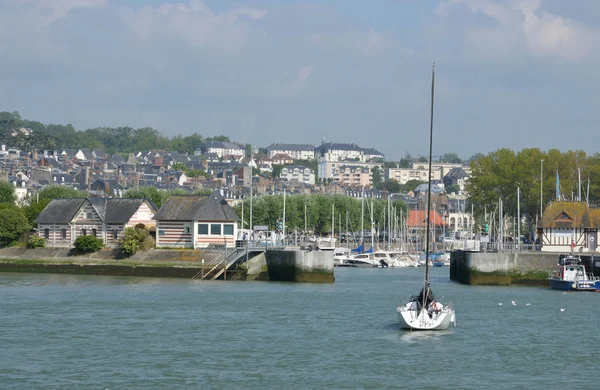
(504, 268)
(292, 266)
(272, 265)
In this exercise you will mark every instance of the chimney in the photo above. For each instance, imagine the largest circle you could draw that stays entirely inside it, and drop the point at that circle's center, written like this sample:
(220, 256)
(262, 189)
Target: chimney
(35, 155)
(87, 178)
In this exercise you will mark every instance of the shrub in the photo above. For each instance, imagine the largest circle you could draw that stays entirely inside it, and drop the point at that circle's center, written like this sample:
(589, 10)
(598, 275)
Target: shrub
(88, 244)
(135, 239)
(36, 242)
(13, 223)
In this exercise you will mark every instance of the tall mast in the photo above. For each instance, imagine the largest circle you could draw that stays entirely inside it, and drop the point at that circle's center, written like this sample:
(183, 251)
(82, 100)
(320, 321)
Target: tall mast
(362, 220)
(429, 179)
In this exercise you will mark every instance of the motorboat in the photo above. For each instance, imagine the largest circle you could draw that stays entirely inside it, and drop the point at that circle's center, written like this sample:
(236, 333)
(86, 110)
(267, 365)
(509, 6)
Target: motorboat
(362, 260)
(572, 276)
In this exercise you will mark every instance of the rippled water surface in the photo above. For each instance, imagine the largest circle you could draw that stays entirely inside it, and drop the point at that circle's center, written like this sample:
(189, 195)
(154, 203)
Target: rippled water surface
(84, 332)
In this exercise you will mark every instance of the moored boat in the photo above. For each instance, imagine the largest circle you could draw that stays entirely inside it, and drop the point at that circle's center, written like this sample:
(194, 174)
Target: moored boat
(572, 276)
(423, 312)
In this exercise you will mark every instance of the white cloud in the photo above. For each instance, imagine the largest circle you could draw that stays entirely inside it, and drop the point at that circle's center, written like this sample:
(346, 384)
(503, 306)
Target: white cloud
(293, 87)
(47, 12)
(194, 23)
(518, 21)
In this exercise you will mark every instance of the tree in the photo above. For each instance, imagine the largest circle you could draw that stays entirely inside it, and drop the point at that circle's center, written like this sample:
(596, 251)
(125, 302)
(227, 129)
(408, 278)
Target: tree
(452, 189)
(276, 170)
(56, 191)
(411, 185)
(159, 197)
(7, 192)
(377, 179)
(134, 239)
(451, 158)
(88, 244)
(219, 138)
(392, 186)
(13, 223)
(34, 209)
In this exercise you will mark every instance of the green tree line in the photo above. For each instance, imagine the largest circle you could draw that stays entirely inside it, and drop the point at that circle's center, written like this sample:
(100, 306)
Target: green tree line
(266, 210)
(498, 174)
(123, 139)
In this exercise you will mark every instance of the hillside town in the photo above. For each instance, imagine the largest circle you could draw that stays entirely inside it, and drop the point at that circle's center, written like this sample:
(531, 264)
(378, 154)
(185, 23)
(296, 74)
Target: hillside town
(330, 168)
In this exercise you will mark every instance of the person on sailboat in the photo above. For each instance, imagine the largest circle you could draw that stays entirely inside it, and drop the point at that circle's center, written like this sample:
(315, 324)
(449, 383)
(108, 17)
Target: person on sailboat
(425, 298)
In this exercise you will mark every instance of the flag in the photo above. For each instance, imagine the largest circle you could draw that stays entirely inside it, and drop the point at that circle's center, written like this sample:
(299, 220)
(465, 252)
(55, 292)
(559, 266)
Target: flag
(557, 186)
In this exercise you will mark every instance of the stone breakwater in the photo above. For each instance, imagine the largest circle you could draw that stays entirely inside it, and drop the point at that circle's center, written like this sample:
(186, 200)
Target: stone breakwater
(292, 265)
(521, 268)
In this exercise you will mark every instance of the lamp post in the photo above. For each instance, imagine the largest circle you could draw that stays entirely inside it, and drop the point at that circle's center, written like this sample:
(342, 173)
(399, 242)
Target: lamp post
(541, 189)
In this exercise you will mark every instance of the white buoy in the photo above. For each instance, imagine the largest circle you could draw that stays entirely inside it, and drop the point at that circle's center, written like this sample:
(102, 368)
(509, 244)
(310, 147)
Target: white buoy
(500, 304)
(528, 304)
(562, 309)
(514, 303)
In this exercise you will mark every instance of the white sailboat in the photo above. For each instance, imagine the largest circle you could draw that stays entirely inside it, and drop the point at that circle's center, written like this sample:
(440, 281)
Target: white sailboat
(423, 312)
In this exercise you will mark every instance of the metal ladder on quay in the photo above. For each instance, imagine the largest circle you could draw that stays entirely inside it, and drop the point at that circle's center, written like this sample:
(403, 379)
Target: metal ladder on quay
(222, 265)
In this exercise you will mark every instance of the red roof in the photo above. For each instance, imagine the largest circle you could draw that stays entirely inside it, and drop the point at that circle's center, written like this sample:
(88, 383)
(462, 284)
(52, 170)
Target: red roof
(418, 218)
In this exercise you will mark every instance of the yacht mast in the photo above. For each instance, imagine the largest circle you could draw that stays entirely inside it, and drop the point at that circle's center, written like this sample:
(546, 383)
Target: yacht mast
(429, 180)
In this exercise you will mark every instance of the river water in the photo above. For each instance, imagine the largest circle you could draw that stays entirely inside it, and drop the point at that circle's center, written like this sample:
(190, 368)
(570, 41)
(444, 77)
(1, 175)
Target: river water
(88, 332)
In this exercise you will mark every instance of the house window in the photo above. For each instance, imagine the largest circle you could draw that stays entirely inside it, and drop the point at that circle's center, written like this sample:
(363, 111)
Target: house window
(64, 234)
(215, 229)
(90, 215)
(203, 229)
(84, 232)
(228, 230)
(94, 232)
(188, 230)
(46, 233)
(115, 234)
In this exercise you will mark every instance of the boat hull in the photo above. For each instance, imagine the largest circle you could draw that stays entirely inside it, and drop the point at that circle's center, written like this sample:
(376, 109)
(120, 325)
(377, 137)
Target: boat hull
(420, 319)
(578, 285)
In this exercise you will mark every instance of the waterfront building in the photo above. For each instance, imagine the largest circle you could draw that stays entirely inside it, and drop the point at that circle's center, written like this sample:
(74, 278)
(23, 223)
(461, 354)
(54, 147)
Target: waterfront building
(193, 221)
(569, 226)
(63, 220)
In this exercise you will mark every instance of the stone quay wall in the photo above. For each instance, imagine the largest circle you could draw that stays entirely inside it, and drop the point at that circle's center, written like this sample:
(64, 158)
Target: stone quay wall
(503, 268)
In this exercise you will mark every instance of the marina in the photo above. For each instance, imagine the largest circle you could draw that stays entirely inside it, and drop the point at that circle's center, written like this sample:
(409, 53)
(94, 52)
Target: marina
(126, 332)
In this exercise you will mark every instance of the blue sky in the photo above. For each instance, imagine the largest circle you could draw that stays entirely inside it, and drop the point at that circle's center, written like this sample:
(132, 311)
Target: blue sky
(515, 73)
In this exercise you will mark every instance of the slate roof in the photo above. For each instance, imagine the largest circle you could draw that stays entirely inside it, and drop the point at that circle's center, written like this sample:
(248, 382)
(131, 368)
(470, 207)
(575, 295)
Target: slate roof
(118, 211)
(110, 210)
(219, 144)
(372, 152)
(298, 147)
(211, 207)
(60, 211)
(458, 173)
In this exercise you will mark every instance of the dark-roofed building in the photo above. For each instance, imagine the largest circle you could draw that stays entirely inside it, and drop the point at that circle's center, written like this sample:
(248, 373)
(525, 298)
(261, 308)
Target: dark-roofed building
(221, 148)
(456, 177)
(193, 221)
(63, 220)
(295, 151)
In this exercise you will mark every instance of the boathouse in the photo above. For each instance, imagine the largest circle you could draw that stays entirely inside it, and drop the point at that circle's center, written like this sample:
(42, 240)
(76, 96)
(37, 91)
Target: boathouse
(194, 221)
(569, 226)
(63, 220)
